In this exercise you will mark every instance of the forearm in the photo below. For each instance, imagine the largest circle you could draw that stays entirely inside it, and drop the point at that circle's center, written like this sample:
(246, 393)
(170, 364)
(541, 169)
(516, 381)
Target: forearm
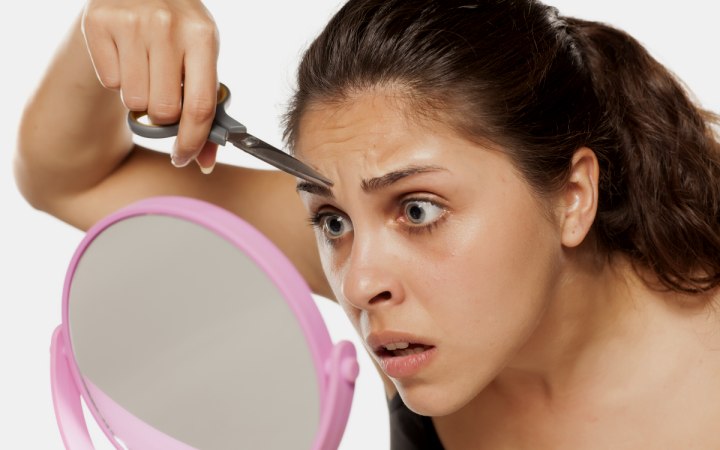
(73, 131)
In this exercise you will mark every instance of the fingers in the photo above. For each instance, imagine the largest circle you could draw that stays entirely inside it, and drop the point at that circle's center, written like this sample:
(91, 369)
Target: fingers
(162, 57)
(102, 49)
(165, 62)
(200, 93)
(207, 157)
(134, 72)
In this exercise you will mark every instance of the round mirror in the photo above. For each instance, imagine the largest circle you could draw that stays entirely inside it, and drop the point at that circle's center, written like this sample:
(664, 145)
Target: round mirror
(187, 328)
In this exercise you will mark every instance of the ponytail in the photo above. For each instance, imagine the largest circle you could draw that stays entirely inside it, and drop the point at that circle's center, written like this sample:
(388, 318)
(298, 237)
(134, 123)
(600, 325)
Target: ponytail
(662, 190)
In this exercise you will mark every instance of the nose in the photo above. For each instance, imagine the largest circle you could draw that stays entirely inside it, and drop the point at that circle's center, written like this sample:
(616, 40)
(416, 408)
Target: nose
(372, 276)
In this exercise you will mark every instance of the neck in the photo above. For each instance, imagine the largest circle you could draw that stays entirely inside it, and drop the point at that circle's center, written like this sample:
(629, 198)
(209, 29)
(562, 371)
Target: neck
(607, 343)
(603, 323)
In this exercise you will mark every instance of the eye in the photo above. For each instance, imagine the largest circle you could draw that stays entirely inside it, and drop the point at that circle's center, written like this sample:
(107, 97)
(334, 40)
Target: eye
(332, 225)
(421, 212)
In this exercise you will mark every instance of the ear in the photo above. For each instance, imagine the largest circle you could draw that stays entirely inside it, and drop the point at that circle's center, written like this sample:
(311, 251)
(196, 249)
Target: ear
(579, 198)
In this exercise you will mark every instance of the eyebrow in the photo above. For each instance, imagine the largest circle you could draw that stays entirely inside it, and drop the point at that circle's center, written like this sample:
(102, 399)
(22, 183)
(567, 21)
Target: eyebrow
(372, 184)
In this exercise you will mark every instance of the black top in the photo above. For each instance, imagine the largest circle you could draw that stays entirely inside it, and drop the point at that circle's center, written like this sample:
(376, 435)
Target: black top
(410, 431)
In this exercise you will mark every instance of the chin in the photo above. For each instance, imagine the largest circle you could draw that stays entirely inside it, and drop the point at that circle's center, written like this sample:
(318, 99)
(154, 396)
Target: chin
(433, 401)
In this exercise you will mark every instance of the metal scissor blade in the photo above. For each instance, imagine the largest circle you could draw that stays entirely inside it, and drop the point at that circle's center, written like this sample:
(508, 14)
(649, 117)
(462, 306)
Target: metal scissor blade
(275, 157)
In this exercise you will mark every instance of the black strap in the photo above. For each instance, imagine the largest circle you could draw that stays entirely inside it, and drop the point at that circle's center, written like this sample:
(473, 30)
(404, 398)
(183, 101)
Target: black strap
(410, 431)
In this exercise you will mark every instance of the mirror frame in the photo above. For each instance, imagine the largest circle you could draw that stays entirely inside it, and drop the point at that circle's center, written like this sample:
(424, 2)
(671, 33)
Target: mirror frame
(335, 365)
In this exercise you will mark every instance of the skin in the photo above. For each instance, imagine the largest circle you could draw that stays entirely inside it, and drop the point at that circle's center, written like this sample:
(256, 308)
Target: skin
(534, 332)
(451, 280)
(540, 343)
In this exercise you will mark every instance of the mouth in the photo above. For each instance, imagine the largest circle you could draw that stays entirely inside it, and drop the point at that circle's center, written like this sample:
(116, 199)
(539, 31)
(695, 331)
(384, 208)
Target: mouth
(401, 349)
(400, 356)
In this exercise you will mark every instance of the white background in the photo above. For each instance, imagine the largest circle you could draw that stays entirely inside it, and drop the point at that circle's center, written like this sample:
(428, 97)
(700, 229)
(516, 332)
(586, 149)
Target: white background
(261, 42)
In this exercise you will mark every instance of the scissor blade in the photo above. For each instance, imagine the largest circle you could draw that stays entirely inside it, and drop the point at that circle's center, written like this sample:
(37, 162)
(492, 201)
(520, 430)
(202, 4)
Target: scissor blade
(275, 157)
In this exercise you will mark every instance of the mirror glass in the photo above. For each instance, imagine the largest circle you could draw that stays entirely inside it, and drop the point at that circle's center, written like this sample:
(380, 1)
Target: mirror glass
(184, 331)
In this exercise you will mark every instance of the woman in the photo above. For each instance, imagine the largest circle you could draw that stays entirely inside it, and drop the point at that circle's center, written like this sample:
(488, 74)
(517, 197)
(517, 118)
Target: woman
(523, 226)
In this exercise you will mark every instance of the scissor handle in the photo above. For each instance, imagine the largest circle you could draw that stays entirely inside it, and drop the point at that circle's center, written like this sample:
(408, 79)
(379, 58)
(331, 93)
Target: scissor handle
(222, 124)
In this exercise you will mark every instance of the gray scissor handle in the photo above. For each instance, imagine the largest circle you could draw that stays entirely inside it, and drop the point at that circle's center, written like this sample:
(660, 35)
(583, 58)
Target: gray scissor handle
(223, 124)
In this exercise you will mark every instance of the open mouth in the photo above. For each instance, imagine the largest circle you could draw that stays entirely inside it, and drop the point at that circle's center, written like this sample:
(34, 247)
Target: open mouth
(403, 359)
(401, 349)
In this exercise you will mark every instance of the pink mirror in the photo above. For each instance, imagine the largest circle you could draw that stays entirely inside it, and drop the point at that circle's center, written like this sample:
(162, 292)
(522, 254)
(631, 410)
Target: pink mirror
(186, 328)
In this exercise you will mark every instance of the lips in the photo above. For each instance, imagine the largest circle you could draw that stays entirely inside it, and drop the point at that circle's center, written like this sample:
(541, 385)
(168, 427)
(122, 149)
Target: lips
(381, 342)
(400, 355)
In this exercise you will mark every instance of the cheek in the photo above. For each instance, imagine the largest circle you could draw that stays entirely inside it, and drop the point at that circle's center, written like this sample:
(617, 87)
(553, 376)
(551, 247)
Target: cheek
(331, 262)
(482, 300)
(330, 266)
(498, 278)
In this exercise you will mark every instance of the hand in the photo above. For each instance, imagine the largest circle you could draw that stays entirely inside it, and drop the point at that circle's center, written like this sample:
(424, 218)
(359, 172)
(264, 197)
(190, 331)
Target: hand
(162, 57)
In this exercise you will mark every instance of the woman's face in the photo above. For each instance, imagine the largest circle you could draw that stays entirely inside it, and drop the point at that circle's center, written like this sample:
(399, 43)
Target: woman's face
(428, 241)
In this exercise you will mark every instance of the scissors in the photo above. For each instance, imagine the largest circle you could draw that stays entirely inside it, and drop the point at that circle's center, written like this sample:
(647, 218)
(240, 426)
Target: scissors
(226, 129)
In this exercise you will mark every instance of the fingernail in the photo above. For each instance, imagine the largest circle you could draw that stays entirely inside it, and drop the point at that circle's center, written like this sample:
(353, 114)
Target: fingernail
(206, 170)
(179, 161)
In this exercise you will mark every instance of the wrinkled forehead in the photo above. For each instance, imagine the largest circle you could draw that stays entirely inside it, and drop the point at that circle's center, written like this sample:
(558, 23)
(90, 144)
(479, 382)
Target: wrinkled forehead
(373, 141)
(365, 122)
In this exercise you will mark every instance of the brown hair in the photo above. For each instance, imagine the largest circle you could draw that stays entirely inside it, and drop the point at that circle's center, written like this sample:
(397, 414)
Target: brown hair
(541, 85)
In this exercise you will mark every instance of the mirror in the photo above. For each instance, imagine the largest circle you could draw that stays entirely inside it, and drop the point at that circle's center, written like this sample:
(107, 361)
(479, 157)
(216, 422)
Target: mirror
(184, 327)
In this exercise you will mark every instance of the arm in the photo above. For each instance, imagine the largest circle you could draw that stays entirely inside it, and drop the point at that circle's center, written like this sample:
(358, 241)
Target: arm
(76, 160)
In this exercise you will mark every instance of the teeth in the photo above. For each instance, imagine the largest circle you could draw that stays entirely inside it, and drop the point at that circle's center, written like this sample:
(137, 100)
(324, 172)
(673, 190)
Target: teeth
(397, 346)
(409, 351)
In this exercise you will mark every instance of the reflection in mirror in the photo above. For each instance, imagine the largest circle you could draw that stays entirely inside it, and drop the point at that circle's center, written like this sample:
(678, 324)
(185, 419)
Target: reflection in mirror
(180, 329)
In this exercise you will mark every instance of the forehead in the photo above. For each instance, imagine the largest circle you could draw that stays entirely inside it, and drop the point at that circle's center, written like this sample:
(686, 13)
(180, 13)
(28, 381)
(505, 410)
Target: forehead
(367, 123)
